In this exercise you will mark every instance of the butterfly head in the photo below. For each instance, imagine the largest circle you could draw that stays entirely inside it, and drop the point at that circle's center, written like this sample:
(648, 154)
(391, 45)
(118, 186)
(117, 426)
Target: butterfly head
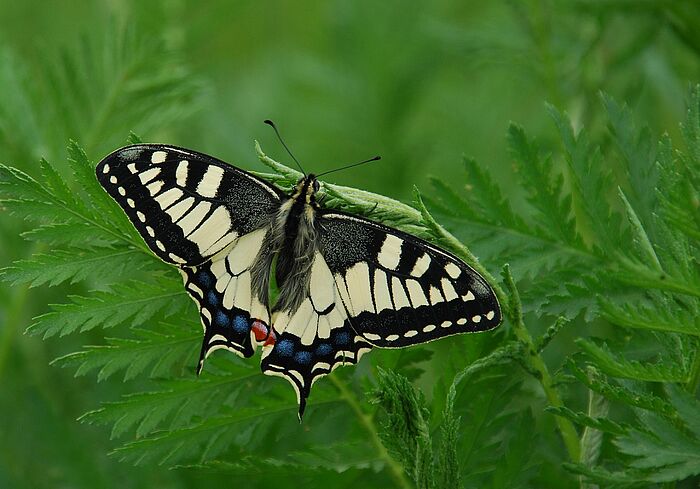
(306, 189)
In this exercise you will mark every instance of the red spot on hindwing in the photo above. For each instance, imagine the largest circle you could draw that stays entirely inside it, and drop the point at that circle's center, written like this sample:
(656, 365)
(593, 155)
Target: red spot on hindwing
(263, 333)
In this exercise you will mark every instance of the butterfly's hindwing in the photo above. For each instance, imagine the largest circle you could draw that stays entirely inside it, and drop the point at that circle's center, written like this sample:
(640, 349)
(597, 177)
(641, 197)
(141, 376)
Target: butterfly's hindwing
(187, 206)
(232, 300)
(400, 290)
(315, 338)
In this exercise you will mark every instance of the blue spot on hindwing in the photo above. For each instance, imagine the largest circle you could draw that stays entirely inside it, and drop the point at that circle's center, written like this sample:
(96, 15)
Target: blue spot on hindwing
(284, 348)
(240, 324)
(324, 349)
(303, 357)
(204, 278)
(342, 338)
(222, 319)
(212, 298)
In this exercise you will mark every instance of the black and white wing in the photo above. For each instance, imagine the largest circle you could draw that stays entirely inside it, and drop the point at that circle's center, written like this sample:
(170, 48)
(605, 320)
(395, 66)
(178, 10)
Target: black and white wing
(371, 285)
(399, 290)
(211, 220)
(315, 338)
(234, 312)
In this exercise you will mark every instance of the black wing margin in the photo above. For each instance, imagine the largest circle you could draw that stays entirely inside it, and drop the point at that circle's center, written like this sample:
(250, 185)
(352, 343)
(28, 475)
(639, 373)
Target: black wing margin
(400, 290)
(186, 205)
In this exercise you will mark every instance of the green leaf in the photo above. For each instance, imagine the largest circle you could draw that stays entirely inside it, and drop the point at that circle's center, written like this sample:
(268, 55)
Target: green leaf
(591, 182)
(691, 126)
(545, 189)
(598, 475)
(22, 193)
(69, 234)
(640, 238)
(116, 80)
(133, 301)
(76, 265)
(597, 382)
(616, 366)
(210, 437)
(158, 348)
(678, 208)
(661, 313)
(601, 424)
(484, 194)
(637, 149)
(406, 432)
(176, 404)
(667, 451)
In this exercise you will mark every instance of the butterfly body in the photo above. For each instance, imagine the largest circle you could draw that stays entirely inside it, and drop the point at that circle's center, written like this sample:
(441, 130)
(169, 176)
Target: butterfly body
(345, 284)
(294, 231)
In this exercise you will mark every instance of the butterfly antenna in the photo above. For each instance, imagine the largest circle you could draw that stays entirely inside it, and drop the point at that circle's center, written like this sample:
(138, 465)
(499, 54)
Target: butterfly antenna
(350, 166)
(273, 126)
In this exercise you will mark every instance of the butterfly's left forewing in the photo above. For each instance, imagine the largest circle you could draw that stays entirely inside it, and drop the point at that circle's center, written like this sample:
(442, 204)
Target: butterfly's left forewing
(209, 218)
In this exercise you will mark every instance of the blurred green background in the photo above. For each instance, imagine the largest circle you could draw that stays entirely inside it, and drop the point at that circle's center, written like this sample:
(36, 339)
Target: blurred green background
(420, 83)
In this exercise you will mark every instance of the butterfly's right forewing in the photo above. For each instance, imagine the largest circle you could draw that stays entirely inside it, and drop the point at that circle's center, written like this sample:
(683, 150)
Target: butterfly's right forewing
(210, 219)
(187, 206)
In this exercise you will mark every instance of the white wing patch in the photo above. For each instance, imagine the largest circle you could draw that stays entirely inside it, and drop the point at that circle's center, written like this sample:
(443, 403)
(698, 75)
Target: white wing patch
(382, 296)
(181, 173)
(390, 254)
(209, 184)
(158, 157)
(231, 269)
(357, 281)
(421, 265)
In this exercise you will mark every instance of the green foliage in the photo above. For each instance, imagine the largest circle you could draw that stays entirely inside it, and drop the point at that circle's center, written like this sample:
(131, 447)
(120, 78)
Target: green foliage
(132, 301)
(661, 450)
(593, 379)
(159, 348)
(623, 252)
(407, 431)
(202, 420)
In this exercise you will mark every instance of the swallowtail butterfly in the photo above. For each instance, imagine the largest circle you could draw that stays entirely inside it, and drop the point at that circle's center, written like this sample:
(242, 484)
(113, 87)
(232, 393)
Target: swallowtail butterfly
(346, 284)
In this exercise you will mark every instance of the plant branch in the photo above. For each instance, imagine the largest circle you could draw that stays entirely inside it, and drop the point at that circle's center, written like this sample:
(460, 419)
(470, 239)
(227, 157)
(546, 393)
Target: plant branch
(536, 365)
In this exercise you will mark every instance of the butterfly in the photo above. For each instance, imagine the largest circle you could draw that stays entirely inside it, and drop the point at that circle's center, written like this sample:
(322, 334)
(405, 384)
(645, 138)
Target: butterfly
(345, 284)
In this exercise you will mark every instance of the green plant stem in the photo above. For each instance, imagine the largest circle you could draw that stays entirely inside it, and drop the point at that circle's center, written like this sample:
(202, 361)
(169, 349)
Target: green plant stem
(536, 365)
(395, 468)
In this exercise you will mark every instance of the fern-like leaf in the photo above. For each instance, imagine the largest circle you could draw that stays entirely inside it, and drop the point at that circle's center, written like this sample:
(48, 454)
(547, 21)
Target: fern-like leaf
(133, 301)
(615, 365)
(78, 264)
(159, 348)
